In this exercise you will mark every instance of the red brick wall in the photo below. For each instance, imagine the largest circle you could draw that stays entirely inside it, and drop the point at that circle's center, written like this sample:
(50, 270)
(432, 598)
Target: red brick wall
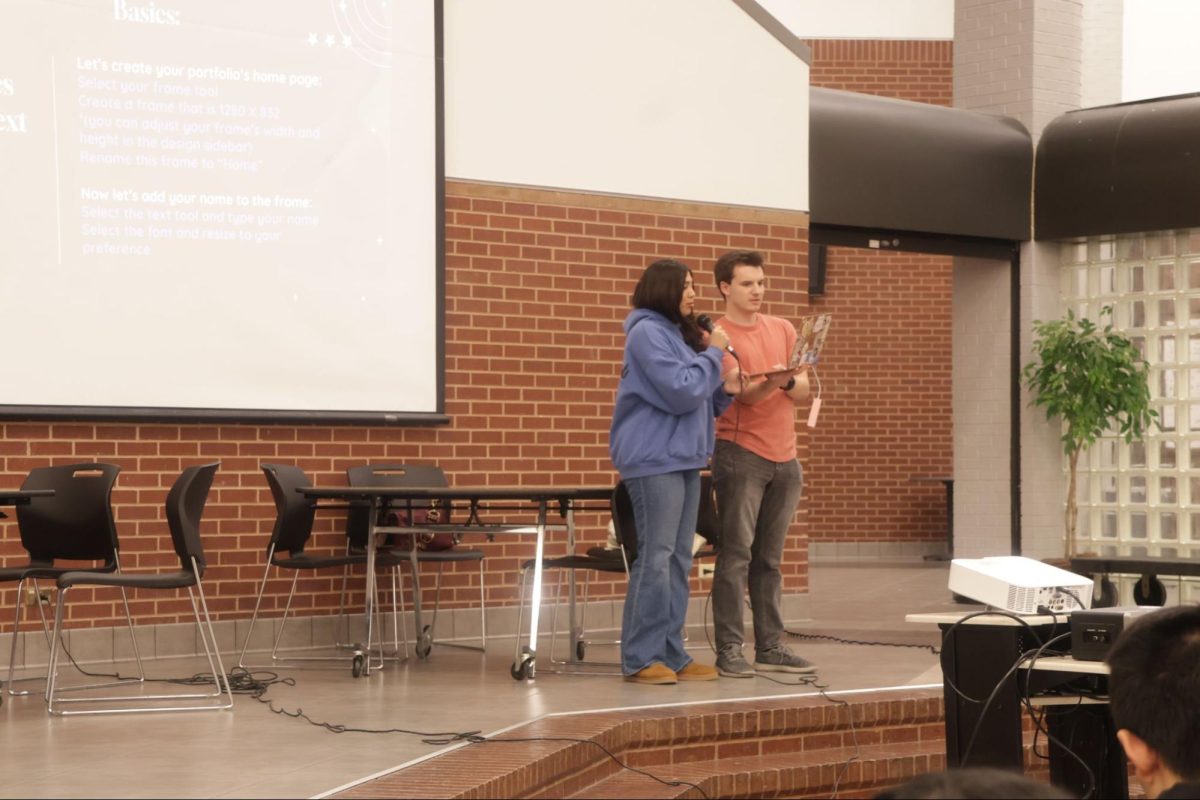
(920, 71)
(537, 285)
(886, 414)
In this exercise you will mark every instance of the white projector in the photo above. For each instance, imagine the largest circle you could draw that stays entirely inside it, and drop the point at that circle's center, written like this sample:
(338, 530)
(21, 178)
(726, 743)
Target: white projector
(1020, 585)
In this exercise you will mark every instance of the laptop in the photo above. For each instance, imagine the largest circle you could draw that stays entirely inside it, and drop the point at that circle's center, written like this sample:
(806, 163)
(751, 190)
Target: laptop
(810, 338)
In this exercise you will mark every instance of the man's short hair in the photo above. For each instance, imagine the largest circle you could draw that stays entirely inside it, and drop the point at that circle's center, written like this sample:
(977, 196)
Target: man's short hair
(723, 269)
(1154, 685)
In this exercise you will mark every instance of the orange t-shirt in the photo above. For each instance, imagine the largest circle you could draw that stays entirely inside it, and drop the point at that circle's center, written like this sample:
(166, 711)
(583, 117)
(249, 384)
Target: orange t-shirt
(766, 428)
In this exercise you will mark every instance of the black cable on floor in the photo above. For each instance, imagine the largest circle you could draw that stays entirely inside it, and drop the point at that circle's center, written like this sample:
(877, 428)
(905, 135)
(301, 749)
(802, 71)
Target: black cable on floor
(437, 738)
(255, 685)
(825, 637)
(811, 680)
(853, 735)
(817, 636)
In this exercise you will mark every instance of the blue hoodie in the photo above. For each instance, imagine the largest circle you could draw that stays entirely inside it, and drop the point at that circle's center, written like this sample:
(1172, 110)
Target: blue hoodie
(666, 401)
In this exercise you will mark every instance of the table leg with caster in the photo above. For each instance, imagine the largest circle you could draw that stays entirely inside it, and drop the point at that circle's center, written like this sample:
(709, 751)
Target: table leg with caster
(523, 669)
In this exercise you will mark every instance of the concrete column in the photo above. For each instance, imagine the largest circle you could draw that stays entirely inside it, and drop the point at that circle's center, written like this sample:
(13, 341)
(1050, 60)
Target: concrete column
(1032, 60)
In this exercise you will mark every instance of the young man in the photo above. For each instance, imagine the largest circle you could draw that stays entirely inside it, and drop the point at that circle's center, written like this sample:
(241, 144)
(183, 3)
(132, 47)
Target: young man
(1154, 698)
(756, 476)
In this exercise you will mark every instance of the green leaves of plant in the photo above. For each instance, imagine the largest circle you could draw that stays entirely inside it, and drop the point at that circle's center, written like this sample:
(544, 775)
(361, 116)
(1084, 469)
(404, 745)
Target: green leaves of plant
(1094, 380)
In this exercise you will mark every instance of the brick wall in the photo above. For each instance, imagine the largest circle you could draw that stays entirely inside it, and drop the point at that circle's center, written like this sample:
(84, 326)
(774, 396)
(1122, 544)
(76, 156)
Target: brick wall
(886, 414)
(886, 395)
(537, 285)
(908, 70)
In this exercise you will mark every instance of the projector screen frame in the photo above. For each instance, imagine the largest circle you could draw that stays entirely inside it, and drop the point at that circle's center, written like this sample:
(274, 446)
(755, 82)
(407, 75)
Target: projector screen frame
(196, 415)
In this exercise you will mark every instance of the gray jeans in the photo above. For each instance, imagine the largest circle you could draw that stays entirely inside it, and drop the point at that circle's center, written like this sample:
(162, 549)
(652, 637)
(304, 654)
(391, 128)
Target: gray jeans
(756, 501)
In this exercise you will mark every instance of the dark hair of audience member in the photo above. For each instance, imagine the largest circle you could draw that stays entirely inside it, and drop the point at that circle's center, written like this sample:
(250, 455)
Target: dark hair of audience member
(1154, 685)
(983, 783)
(661, 289)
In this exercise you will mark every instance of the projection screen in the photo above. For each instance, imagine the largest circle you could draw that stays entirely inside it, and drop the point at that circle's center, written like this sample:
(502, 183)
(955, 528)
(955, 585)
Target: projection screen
(222, 209)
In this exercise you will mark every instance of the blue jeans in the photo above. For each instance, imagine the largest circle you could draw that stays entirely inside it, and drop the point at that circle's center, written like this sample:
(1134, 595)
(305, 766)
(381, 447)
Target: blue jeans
(664, 510)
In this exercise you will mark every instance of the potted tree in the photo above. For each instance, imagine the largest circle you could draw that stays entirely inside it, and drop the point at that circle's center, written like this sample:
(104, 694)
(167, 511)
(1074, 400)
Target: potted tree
(1095, 381)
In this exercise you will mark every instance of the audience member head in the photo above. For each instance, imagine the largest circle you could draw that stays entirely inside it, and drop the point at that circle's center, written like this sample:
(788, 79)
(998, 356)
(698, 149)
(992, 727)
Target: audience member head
(661, 288)
(1154, 696)
(983, 783)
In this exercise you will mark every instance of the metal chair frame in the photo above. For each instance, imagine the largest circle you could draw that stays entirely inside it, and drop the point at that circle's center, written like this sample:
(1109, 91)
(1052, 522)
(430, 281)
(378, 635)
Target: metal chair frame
(184, 508)
(80, 532)
(416, 475)
(596, 560)
(293, 524)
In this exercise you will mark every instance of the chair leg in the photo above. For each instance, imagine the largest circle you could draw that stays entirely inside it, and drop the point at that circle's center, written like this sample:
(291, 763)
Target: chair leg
(262, 587)
(52, 664)
(54, 638)
(517, 654)
(422, 640)
(582, 643)
(208, 637)
(398, 654)
(283, 622)
(482, 611)
(375, 626)
(398, 599)
(579, 637)
(295, 661)
(220, 698)
(343, 619)
(558, 589)
(437, 601)
(12, 654)
(137, 655)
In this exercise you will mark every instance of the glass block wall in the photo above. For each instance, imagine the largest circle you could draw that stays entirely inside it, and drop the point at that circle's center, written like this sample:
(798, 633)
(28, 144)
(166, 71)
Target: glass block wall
(1143, 499)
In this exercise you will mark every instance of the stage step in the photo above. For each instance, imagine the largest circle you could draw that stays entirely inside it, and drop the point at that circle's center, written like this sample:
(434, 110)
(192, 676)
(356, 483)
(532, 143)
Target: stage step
(850, 771)
(790, 746)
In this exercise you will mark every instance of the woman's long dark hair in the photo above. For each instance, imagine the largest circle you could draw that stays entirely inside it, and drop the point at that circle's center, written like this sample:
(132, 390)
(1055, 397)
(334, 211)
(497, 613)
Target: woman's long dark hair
(661, 289)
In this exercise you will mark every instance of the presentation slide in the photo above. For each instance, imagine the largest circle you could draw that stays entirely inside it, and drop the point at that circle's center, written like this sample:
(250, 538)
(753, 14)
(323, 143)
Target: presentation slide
(219, 206)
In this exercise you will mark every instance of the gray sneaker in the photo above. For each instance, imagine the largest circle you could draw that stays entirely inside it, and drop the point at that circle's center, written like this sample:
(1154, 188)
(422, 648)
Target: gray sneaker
(780, 659)
(732, 664)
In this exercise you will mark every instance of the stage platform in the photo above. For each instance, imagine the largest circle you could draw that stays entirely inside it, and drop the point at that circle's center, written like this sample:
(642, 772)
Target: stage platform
(255, 753)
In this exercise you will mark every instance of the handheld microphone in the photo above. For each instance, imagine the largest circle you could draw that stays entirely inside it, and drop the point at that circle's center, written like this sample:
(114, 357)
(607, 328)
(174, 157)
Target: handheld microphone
(706, 325)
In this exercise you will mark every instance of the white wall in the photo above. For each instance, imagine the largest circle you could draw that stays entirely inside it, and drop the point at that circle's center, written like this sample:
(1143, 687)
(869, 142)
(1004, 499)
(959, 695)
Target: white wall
(678, 99)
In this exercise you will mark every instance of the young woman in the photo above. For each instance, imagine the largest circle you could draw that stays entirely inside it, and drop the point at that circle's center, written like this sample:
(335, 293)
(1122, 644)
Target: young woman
(662, 435)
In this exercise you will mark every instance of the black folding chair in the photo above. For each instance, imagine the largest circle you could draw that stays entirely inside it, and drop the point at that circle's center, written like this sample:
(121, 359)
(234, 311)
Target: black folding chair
(74, 524)
(596, 560)
(415, 475)
(288, 550)
(184, 507)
